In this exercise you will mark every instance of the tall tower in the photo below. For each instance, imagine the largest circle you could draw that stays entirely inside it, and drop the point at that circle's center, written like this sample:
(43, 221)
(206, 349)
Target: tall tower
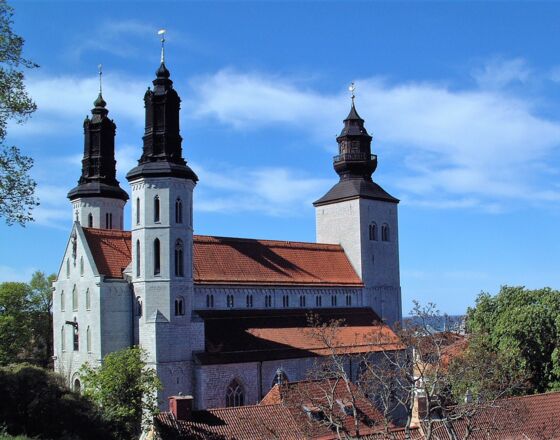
(359, 215)
(162, 240)
(98, 200)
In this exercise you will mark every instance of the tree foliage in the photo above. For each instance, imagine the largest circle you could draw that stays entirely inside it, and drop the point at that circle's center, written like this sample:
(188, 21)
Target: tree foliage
(125, 389)
(16, 332)
(37, 403)
(521, 328)
(16, 186)
(41, 302)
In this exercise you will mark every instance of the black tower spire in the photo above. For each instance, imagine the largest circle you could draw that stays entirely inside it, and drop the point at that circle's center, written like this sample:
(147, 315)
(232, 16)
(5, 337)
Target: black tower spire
(98, 177)
(162, 151)
(354, 164)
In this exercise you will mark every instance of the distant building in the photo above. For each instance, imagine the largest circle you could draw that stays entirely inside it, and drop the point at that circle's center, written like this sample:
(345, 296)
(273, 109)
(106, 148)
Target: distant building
(217, 316)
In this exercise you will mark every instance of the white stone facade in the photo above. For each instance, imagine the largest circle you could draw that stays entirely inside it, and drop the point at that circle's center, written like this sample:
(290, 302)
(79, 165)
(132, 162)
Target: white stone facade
(99, 212)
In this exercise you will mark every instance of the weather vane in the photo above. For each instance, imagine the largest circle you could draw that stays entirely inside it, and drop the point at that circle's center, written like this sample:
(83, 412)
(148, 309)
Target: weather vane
(100, 68)
(162, 33)
(352, 89)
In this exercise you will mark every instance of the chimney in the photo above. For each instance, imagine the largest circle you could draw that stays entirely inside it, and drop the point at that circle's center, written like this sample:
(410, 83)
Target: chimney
(181, 407)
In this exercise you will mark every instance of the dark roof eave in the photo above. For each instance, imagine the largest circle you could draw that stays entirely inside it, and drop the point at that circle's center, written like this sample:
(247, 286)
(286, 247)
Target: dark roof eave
(98, 189)
(162, 168)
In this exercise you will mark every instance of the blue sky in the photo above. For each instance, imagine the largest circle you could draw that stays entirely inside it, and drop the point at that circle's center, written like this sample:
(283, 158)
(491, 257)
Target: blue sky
(462, 99)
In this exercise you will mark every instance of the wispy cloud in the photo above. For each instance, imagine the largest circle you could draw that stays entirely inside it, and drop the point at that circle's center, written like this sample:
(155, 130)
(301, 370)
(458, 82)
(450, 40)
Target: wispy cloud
(474, 146)
(499, 72)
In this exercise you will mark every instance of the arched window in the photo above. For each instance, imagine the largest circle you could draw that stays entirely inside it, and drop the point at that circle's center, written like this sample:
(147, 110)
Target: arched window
(318, 301)
(348, 300)
(286, 301)
(230, 302)
(77, 385)
(81, 266)
(138, 210)
(179, 261)
(108, 221)
(137, 258)
(88, 339)
(138, 306)
(249, 300)
(280, 377)
(88, 300)
(178, 211)
(268, 301)
(62, 339)
(75, 299)
(302, 300)
(68, 268)
(209, 301)
(179, 306)
(90, 220)
(157, 267)
(373, 231)
(156, 209)
(62, 301)
(76, 336)
(385, 232)
(333, 300)
(235, 395)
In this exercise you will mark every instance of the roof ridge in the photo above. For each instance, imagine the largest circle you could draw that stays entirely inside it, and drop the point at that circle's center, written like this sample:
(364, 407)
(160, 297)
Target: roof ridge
(234, 408)
(266, 240)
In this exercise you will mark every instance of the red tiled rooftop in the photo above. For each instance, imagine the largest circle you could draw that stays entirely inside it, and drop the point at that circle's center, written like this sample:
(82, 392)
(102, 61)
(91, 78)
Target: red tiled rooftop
(221, 260)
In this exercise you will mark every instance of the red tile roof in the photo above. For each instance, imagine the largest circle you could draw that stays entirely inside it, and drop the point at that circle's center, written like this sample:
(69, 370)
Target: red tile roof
(110, 249)
(256, 335)
(316, 404)
(220, 260)
(250, 422)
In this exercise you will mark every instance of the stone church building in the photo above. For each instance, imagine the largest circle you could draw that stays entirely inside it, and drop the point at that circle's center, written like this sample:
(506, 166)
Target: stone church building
(220, 318)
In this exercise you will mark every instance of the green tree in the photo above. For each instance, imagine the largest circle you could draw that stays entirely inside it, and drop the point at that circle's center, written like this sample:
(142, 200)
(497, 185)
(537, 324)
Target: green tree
(16, 186)
(41, 300)
(522, 328)
(16, 332)
(125, 389)
(37, 403)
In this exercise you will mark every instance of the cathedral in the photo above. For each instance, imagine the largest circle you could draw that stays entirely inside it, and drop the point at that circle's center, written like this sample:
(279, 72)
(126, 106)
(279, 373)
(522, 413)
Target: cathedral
(222, 319)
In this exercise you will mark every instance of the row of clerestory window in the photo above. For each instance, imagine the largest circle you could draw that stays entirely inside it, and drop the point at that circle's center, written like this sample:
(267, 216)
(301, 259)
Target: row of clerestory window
(157, 210)
(179, 306)
(108, 220)
(75, 299)
(75, 336)
(230, 301)
(179, 258)
(373, 232)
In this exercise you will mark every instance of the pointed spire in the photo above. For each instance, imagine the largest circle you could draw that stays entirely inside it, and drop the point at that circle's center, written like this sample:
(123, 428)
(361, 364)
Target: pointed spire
(162, 151)
(98, 177)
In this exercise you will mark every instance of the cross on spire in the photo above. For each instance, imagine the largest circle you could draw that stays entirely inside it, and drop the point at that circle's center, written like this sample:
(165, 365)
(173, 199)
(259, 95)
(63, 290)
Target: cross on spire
(100, 68)
(352, 89)
(161, 32)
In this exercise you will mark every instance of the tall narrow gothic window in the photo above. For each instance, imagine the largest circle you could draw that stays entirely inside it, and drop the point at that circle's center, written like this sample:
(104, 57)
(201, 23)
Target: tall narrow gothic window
(90, 220)
(74, 299)
(302, 301)
(209, 301)
(62, 339)
(62, 302)
(88, 340)
(88, 299)
(230, 302)
(318, 301)
(137, 258)
(249, 302)
(385, 232)
(178, 211)
(268, 301)
(138, 210)
(108, 221)
(179, 306)
(373, 231)
(333, 300)
(68, 268)
(81, 266)
(157, 267)
(235, 395)
(156, 209)
(138, 306)
(76, 336)
(179, 260)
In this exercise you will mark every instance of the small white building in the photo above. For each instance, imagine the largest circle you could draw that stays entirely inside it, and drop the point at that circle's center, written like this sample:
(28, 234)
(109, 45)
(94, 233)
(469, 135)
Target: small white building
(220, 318)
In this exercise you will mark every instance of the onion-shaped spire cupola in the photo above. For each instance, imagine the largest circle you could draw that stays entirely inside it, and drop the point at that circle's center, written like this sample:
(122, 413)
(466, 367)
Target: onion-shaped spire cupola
(354, 163)
(99, 171)
(162, 153)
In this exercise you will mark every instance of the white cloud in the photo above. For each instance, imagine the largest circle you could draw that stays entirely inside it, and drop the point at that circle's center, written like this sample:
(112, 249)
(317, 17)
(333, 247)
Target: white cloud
(272, 191)
(499, 73)
(475, 146)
